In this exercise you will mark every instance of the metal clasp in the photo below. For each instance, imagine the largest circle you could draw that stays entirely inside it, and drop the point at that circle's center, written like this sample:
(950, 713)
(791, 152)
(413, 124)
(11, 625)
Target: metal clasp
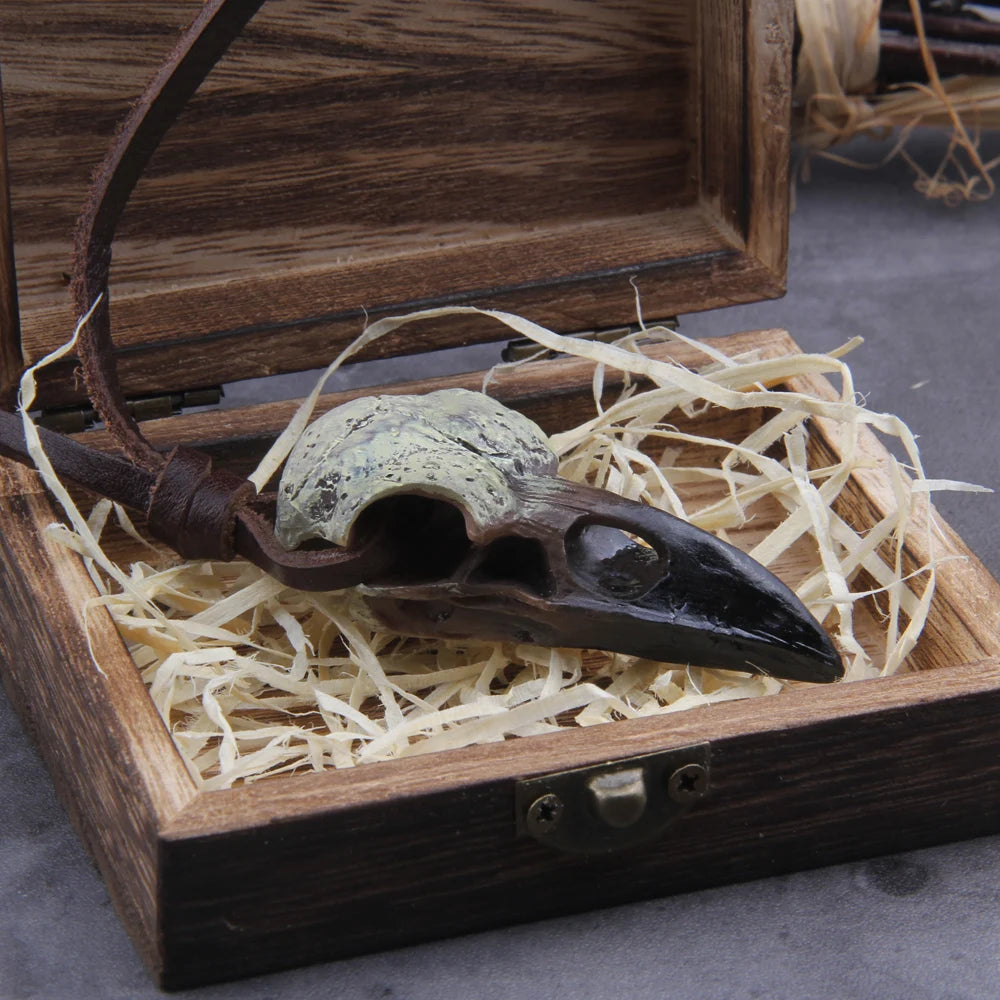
(76, 419)
(611, 806)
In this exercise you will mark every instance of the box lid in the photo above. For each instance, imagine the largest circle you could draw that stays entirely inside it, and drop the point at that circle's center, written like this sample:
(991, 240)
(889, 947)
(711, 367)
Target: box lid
(366, 158)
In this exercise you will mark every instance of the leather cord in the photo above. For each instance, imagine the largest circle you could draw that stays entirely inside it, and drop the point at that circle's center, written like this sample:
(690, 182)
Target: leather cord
(192, 59)
(108, 475)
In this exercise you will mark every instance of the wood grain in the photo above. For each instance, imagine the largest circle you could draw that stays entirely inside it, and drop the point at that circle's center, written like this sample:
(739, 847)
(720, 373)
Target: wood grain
(114, 764)
(770, 33)
(367, 156)
(723, 109)
(393, 854)
(721, 276)
(339, 131)
(10, 323)
(247, 807)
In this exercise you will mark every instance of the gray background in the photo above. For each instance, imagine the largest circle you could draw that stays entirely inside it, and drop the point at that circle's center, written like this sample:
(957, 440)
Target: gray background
(868, 256)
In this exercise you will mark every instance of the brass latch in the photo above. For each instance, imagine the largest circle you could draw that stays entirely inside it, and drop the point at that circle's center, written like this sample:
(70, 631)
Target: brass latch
(611, 806)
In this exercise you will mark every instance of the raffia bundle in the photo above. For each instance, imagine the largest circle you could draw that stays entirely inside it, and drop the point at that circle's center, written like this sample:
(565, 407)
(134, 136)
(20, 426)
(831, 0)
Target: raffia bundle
(835, 99)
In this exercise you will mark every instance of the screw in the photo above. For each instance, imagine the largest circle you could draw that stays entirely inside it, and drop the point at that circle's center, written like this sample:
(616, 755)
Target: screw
(544, 814)
(688, 783)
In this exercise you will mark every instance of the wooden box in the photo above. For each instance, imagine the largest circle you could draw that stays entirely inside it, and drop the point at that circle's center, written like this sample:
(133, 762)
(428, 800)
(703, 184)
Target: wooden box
(366, 158)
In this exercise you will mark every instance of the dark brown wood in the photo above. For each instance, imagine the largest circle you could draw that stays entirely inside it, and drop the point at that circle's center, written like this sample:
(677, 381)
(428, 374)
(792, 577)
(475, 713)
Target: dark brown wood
(722, 89)
(717, 274)
(901, 59)
(10, 322)
(112, 759)
(384, 164)
(960, 28)
(298, 868)
(959, 43)
(429, 850)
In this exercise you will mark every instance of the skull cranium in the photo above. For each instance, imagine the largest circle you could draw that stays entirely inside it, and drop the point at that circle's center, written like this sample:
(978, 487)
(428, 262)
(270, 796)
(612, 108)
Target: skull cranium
(453, 444)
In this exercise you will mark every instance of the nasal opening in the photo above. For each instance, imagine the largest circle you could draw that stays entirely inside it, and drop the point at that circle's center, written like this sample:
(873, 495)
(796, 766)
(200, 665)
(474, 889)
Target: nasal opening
(611, 562)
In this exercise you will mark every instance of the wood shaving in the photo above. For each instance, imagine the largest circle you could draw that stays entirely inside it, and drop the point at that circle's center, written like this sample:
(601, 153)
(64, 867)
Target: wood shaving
(254, 679)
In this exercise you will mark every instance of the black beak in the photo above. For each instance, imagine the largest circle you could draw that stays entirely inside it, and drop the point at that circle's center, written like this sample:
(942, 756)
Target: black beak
(711, 604)
(588, 569)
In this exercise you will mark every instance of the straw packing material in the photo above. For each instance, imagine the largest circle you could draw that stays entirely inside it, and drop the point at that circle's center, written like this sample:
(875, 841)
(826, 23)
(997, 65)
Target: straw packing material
(255, 679)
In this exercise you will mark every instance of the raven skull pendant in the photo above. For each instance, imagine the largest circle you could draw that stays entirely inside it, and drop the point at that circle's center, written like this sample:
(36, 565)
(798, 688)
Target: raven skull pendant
(487, 542)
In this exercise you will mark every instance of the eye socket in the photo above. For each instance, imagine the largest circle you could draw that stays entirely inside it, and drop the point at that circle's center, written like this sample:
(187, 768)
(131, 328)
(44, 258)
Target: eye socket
(612, 562)
(426, 535)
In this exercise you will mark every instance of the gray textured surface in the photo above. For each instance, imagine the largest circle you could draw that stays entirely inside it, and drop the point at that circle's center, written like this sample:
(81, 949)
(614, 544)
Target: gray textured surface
(453, 443)
(868, 256)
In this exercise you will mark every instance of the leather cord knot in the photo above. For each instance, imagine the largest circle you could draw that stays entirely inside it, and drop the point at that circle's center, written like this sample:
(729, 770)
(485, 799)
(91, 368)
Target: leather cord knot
(193, 508)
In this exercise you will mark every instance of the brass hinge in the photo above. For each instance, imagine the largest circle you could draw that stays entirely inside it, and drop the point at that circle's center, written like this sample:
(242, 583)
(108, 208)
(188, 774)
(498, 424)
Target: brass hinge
(73, 419)
(525, 349)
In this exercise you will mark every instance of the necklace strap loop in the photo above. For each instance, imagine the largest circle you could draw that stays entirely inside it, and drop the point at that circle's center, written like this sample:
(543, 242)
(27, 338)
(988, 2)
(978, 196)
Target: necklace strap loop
(200, 47)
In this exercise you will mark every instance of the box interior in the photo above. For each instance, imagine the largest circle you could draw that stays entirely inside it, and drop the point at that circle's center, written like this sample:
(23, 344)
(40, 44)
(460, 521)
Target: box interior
(567, 403)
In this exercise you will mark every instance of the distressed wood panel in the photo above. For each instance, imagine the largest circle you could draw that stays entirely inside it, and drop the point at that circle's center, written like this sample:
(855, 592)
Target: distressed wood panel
(339, 133)
(112, 760)
(410, 854)
(353, 158)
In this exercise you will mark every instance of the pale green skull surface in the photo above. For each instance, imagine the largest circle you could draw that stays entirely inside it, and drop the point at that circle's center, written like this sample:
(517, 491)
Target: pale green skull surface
(452, 444)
